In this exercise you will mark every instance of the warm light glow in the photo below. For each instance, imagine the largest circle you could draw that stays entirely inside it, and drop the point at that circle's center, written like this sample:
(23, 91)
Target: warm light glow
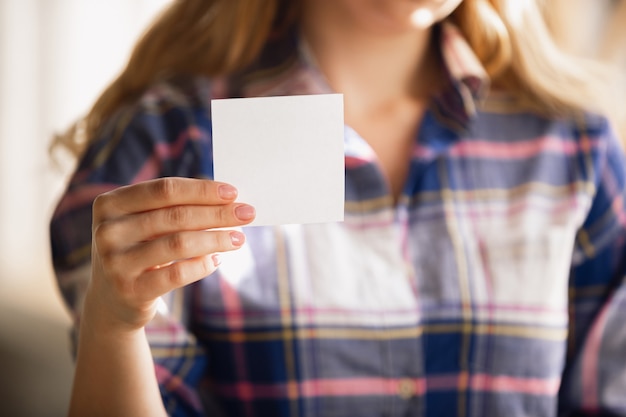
(517, 10)
(161, 307)
(422, 18)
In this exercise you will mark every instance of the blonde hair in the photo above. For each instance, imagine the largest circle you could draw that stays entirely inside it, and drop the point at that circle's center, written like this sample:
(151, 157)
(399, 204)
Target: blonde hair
(216, 37)
(513, 40)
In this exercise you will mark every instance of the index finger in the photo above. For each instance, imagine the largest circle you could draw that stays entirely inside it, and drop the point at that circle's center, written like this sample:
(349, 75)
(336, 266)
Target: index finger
(161, 193)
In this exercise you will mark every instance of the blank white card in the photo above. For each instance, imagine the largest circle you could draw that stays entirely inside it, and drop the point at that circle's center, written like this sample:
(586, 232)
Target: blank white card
(284, 154)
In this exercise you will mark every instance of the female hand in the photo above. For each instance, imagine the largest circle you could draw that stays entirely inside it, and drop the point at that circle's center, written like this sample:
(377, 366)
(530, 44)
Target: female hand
(153, 237)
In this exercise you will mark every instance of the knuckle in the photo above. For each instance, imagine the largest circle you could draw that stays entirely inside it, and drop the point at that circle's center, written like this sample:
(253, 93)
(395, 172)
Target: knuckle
(108, 261)
(176, 274)
(104, 236)
(221, 215)
(177, 243)
(165, 189)
(101, 205)
(207, 190)
(145, 223)
(207, 265)
(98, 202)
(178, 216)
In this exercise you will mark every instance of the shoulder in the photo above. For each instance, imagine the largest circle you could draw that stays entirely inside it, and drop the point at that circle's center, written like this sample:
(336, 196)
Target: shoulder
(596, 137)
(506, 117)
(588, 140)
(592, 141)
(593, 125)
(171, 104)
(162, 111)
(176, 92)
(167, 124)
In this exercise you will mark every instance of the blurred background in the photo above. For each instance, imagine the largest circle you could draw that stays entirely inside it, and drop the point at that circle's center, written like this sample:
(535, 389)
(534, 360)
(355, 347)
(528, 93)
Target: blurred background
(55, 58)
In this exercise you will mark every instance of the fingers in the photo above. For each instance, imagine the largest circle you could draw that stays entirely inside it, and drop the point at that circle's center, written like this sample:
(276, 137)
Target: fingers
(160, 193)
(176, 247)
(153, 237)
(152, 224)
(130, 215)
(158, 281)
(151, 269)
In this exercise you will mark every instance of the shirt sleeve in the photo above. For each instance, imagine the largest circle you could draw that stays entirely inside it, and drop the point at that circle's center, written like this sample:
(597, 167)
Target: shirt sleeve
(155, 138)
(594, 379)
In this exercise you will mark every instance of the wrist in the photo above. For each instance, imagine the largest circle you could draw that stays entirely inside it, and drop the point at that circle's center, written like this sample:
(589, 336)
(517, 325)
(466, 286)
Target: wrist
(104, 316)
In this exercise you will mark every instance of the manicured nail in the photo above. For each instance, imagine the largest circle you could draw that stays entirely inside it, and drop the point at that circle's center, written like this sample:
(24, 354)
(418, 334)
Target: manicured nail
(245, 212)
(237, 238)
(216, 259)
(227, 192)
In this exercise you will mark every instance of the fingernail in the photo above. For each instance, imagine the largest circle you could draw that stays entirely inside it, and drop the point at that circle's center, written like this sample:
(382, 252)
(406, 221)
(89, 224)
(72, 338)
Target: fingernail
(245, 212)
(237, 238)
(227, 192)
(216, 260)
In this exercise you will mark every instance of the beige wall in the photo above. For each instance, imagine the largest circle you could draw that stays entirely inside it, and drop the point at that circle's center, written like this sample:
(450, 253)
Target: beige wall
(55, 57)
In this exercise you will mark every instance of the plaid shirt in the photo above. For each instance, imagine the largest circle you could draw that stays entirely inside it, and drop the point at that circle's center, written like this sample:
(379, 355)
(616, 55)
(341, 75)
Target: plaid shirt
(494, 287)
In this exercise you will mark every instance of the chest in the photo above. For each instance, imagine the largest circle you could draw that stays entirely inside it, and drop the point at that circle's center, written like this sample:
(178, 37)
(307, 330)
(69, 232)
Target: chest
(495, 239)
(465, 277)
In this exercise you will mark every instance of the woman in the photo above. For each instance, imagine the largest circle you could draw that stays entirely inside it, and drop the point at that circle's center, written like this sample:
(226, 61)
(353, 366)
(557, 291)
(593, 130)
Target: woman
(478, 271)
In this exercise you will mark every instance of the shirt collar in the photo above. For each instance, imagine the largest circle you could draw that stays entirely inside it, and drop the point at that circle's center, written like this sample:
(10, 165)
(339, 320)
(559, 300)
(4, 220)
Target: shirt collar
(286, 67)
(468, 81)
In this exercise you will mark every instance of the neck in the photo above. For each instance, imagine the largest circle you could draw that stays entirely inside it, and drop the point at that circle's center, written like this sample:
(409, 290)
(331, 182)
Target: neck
(375, 67)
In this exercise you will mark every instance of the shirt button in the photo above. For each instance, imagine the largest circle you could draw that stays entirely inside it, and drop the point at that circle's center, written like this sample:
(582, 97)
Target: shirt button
(406, 388)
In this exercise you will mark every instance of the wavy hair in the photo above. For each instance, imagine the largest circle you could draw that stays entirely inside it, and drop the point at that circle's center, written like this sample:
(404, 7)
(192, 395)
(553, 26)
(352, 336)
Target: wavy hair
(511, 38)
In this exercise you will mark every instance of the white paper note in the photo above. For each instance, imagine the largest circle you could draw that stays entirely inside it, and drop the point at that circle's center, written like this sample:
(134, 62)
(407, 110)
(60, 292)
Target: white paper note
(284, 154)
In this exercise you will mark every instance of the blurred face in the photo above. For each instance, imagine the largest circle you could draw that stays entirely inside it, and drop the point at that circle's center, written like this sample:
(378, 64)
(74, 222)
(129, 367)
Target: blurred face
(386, 16)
